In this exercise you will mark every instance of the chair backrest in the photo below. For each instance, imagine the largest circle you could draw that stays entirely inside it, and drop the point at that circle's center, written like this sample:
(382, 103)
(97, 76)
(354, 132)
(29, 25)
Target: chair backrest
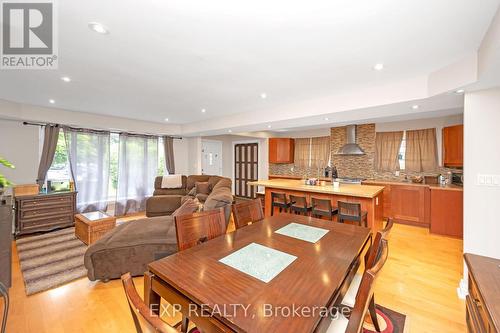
(298, 201)
(278, 197)
(246, 212)
(349, 210)
(143, 319)
(375, 250)
(365, 291)
(321, 204)
(199, 227)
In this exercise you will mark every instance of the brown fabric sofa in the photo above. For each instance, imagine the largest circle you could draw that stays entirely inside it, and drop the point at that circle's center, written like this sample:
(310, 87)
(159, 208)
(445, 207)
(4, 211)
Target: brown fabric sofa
(166, 201)
(130, 247)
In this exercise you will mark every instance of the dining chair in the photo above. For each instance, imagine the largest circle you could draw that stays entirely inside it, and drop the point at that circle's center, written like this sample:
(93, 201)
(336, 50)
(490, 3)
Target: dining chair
(280, 201)
(323, 207)
(351, 211)
(364, 298)
(5, 294)
(299, 205)
(197, 228)
(370, 259)
(144, 321)
(245, 212)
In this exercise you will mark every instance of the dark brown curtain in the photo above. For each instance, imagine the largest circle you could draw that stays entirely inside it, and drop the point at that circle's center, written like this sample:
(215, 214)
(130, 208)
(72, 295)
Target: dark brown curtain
(168, 143)
(421, 150)
(387, 145)
(49, 149)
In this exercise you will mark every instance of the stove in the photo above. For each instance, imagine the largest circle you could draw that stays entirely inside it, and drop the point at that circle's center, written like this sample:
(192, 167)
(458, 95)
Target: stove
(347, 180)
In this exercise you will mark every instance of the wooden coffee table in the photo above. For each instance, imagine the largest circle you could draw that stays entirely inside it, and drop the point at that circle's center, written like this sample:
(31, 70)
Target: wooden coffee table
(90, 227)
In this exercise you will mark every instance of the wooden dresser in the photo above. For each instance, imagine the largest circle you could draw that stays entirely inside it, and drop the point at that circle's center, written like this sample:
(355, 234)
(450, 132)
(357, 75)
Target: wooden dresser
(44, 212)
(483, 306)
(6, 243)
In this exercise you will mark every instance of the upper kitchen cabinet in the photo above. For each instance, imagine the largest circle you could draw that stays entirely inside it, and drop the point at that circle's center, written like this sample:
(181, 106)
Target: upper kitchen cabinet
(281, 150)
(453, 146)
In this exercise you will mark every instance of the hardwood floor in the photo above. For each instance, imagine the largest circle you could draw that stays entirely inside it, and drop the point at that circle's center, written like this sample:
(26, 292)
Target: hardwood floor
(419, 279)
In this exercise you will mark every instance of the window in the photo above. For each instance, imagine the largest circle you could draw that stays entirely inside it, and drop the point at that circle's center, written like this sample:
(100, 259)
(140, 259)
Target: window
(402, 152)
(59, 174)
(312, 152)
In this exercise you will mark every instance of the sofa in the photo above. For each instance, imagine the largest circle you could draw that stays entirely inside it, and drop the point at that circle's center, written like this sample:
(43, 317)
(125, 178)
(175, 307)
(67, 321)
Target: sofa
(131, 246)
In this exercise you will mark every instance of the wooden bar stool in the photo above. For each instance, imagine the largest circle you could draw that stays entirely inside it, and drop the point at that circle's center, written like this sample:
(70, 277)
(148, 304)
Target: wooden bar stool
(323, 207)
(351, 211)
(299, 206)
(279, 200)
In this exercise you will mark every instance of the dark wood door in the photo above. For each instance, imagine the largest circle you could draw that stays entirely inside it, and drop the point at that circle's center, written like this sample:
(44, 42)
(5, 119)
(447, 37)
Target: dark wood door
(246, 167)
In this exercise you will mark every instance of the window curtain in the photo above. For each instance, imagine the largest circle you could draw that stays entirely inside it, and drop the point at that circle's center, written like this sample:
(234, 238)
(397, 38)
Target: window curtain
(89, 157)
(51, 134)
(137, 169)
(168, 146)
(387, 146)
(421, 150)
(320, 152)
(302, 152)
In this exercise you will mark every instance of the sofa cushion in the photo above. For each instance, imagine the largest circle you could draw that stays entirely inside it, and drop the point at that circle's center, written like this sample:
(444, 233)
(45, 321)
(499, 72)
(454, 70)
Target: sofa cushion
(201, 197)
(202, 187)
(169, 191)
(218, 198)
(213, 180)
(223, 182)
(189, 206)
(158, 184)
(191, 180)
(162, 204)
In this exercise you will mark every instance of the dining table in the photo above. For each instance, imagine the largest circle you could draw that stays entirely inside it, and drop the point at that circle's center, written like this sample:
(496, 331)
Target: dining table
(285, 273)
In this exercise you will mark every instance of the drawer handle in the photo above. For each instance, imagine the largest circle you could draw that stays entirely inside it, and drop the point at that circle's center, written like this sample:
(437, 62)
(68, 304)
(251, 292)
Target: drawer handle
(478, 303)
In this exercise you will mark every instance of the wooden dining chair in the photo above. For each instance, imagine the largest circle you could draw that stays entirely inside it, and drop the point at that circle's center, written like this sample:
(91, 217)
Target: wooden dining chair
(370, 259)
(280, 201)
(197, 228)
(323, 207)
(144, 321)
(245, 212)
(299, 205)
(351, 211)
(364, 298)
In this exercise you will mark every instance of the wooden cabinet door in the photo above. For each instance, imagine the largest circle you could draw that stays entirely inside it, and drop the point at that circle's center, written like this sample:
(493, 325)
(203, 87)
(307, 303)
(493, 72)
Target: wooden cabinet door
(453, 146)
(281, 150)
(408, 204)
(447, 212)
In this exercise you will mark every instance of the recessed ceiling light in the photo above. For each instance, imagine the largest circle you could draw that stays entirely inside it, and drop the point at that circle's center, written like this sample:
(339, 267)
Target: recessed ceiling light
(166, 119)
(51, 101)
(459, 91)
(263, 95)
(230, 131)
(326, 118)
(66, 79)
(99, 28)
(269, 126)
(203, 110)
(282, 130)
(378, 67)
(415, 106)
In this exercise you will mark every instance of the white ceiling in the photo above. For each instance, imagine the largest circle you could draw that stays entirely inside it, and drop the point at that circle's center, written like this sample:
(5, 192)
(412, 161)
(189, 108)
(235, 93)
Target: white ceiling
(173, 58)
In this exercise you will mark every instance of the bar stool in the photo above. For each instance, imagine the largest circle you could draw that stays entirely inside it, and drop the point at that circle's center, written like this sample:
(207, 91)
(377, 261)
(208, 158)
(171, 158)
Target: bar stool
(298, 205)
(323, 207)
(279, 200)
(351, 211)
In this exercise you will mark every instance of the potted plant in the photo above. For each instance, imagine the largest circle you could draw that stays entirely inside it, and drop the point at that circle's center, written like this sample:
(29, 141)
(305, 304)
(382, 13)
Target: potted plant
(3, 181)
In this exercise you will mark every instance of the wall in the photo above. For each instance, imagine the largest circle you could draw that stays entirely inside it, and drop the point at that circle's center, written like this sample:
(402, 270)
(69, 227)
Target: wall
(362, 166)
(481, 138)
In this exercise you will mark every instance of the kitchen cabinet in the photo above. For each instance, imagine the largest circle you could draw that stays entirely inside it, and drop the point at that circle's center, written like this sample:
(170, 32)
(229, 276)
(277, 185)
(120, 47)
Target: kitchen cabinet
(281, 150)
(447, 212)
(410, 204)
(453, 146)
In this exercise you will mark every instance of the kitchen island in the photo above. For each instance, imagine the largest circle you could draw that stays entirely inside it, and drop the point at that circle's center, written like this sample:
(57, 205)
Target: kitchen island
(369, 196)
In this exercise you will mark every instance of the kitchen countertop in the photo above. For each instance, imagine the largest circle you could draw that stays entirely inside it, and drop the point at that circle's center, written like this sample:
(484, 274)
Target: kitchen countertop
(352, 190)
(450, 187)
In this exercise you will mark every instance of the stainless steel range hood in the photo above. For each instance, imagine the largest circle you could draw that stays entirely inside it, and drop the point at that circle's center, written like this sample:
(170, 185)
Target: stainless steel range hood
(351, 147)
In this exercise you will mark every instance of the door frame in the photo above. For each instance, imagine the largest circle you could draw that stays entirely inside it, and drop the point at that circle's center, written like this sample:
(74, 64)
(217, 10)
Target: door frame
(221, 168)
(259, 154)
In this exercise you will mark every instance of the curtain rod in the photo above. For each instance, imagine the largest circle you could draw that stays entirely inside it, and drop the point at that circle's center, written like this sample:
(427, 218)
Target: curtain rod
(111, 131)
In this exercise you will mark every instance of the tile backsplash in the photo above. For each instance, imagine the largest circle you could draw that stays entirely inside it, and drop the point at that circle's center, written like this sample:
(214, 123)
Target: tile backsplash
(350, 166)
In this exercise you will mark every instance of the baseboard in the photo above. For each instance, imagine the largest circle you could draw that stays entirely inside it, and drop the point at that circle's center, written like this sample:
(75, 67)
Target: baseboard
(463, 289)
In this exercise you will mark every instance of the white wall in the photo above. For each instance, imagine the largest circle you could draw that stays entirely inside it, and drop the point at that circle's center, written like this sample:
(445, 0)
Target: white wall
(181, 156)
(481, 156)
(19, 144)
(437, 123)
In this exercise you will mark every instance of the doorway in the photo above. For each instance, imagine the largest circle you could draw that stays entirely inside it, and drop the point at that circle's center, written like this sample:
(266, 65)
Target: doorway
(246, 168)
(211, 158)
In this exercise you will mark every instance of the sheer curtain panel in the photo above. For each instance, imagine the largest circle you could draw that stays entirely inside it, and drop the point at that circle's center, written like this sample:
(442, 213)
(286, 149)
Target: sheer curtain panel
(320, 152)
(137, 169)
(88, 155)
(387, 145)
(302, 152)
(421, 150)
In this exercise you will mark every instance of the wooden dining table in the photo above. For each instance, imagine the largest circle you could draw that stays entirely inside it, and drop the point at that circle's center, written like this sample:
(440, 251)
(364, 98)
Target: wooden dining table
(220, 298)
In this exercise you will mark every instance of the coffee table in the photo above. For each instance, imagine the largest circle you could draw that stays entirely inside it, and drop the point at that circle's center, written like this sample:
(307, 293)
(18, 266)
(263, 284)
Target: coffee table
(90, 227)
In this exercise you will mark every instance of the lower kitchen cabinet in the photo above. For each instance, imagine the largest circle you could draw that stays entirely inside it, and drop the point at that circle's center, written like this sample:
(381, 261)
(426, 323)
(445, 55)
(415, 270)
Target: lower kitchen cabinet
(410, 204)
(447, 212)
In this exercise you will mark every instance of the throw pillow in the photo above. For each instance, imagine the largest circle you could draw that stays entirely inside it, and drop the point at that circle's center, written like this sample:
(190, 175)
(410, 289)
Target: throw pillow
(202, 187)
(189, 206)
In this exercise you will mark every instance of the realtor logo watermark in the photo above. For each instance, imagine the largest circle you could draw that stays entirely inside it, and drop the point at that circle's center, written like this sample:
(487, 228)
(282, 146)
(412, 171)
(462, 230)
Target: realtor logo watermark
(29, 35)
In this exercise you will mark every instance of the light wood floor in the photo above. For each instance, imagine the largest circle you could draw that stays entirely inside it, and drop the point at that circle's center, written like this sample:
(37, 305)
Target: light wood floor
(419, 279)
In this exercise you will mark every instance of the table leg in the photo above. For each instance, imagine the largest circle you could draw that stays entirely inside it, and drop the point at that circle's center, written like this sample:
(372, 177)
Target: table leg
(150, 296)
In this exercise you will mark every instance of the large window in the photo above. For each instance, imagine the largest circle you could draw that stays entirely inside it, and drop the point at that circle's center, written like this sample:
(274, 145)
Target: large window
(59, 173)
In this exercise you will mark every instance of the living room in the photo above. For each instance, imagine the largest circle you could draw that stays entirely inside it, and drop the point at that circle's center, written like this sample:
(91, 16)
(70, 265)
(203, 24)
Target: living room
(249, 167)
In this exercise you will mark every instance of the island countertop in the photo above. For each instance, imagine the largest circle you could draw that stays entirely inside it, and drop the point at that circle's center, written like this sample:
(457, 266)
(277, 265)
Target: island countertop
(352, 190)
